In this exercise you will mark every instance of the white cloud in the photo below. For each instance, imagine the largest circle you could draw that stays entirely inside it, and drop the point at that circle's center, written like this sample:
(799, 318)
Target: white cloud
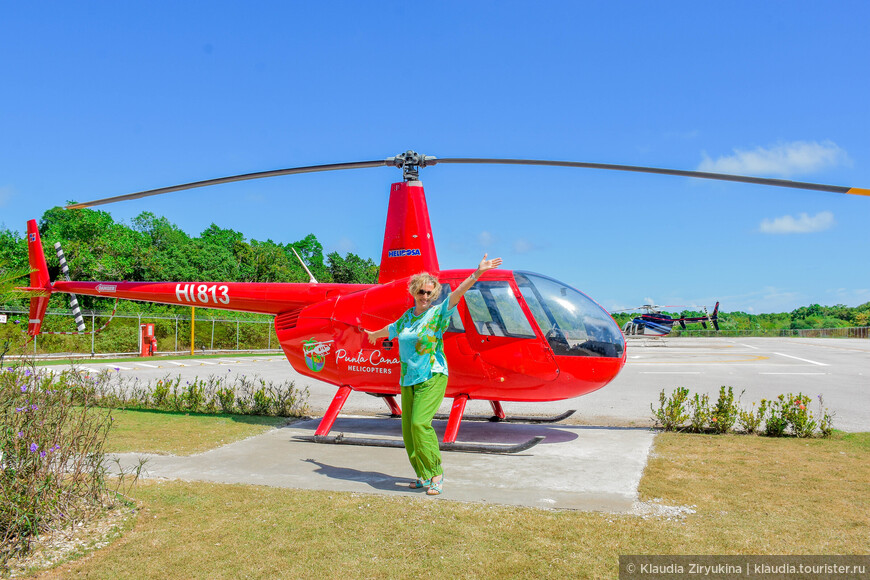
(485, 238)
(803, 224)
(6, 195)
(785, 159)
(523, 246)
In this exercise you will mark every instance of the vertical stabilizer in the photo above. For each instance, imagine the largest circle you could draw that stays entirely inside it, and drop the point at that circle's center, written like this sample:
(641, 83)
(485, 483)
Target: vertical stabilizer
(39, 279)
(408, 244)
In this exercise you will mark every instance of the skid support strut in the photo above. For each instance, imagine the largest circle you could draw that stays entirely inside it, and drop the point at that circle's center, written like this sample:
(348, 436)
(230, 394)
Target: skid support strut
(332, 412)
(395, 409)
(455, 418)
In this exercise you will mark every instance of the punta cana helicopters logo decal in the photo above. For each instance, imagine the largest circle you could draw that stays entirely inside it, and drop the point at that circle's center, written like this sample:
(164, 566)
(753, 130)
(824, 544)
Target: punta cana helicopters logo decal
(315, 353)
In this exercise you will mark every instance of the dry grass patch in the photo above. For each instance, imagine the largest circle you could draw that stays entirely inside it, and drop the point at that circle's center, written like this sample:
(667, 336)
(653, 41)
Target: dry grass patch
(751, 495)
(786, 496)
(176, 433)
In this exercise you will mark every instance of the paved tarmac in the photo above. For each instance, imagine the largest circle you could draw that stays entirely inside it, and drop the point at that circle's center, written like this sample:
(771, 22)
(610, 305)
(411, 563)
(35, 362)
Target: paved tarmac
(837, 369)
(594, 462)
(575, 467)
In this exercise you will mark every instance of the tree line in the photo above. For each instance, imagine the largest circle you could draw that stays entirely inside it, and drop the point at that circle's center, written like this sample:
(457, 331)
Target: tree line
(152, 248)
(805, 317)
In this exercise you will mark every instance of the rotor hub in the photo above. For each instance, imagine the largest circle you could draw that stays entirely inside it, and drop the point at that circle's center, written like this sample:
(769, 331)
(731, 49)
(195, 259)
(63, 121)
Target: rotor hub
(411, 162)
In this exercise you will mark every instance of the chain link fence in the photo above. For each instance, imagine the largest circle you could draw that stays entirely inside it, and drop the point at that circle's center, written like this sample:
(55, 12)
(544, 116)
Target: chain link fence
(123, 336)
(848, 332)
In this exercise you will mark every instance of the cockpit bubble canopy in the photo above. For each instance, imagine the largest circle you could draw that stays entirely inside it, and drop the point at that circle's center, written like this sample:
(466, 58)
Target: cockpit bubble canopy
(573, 323)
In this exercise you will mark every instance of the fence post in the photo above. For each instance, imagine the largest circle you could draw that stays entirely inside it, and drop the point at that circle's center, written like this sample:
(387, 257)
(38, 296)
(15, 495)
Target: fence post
(237, 335)
(176, 334)
(93, 332)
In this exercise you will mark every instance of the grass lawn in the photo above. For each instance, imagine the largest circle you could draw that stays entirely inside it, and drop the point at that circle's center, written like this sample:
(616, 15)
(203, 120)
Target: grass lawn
(178, 433)
(751, 495)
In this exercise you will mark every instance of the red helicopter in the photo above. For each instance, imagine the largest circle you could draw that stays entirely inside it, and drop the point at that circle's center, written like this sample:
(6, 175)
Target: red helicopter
(516, 336)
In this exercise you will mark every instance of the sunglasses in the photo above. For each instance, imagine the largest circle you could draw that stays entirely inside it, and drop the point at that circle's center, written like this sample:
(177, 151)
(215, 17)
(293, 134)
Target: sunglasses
(424, 292)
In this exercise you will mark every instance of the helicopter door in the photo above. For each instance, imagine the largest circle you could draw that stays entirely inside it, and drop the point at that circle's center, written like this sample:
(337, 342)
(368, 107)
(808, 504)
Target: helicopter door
(503, 334)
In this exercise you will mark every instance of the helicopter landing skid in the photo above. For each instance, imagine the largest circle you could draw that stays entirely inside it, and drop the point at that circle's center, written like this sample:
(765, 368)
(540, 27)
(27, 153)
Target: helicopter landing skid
(515, 418)
(495, 448)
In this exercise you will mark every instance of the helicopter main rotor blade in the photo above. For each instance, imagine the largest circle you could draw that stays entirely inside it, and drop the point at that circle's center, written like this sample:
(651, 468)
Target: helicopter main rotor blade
(658, 170)
(410, 160)
(232, 178)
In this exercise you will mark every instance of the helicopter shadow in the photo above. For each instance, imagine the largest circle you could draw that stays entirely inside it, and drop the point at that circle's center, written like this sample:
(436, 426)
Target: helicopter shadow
(374, 479)
(470, 432)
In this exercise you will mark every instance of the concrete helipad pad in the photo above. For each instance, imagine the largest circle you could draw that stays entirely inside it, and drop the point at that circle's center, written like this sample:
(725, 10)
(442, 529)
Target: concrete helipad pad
(575, 467)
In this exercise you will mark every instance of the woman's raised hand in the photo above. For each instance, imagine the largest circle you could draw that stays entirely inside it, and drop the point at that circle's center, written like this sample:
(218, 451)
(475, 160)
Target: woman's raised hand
(488, 264)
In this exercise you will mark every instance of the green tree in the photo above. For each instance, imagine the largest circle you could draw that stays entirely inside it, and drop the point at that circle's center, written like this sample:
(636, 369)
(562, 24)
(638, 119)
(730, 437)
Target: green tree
(352, 269)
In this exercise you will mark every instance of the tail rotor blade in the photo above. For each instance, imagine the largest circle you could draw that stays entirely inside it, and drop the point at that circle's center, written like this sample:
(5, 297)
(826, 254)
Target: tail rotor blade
(73, 300)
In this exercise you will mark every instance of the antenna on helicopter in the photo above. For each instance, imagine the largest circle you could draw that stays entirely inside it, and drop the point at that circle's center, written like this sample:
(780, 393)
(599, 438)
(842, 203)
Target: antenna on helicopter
(311, 278)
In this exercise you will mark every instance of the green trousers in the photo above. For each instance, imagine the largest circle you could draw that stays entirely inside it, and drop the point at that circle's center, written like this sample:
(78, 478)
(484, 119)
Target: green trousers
(420, 402)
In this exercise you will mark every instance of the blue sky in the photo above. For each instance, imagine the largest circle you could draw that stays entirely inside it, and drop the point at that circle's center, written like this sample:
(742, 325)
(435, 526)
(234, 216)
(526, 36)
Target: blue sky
(105, 98)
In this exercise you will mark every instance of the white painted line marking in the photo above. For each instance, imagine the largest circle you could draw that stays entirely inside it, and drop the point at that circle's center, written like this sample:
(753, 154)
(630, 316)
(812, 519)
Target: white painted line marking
(178, 364)
(670, 372)
(749, 346)
(147, 365)
(203, 362)
(120, 368)
(792, 373)
(802, 359)
(90, 370)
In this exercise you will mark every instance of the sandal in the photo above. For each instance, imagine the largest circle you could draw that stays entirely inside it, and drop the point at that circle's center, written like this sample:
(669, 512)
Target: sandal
(420, 483)
(435, 487)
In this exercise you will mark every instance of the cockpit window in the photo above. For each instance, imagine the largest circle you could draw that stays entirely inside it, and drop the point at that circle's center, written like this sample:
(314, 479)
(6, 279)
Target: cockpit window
(455, 320)
(496, 311)
(572, 323)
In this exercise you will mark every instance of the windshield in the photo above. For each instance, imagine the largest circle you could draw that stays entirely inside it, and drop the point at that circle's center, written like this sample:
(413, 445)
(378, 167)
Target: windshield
(573, 324)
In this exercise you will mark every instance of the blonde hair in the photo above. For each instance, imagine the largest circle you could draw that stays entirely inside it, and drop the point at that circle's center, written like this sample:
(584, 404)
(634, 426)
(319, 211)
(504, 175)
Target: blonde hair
(420, 280)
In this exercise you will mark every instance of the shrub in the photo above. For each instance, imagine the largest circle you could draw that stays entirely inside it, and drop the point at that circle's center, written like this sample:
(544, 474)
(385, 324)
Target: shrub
(826, 422)
(51, 454)
(192, 396)
(725, 413)
(159, 394)
(796, 413)
(699, 409)
(751, 420)
(227, 398)
(671, 413)
(262, 404)
(775, 424)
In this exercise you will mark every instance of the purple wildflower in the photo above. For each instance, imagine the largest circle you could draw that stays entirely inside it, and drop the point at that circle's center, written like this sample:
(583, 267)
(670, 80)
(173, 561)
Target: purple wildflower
(34, 447)
(117, 368)
(27, 372)
(20, 434)
(23, 388)
(42, 454)
(34, 408)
